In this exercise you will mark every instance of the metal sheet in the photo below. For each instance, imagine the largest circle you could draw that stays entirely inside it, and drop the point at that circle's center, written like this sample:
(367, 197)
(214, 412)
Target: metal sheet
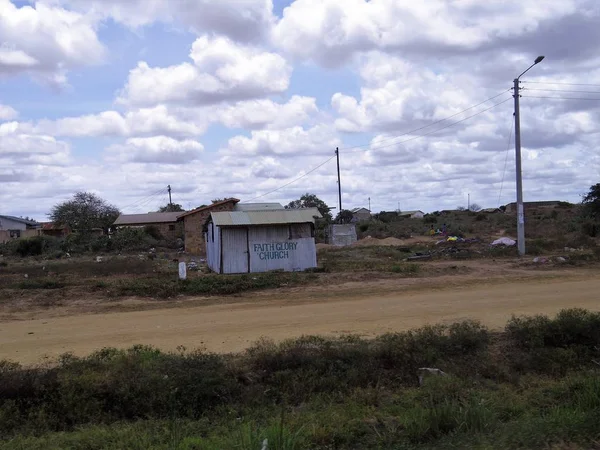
(270, 217)
(272, 249)
(235, 250)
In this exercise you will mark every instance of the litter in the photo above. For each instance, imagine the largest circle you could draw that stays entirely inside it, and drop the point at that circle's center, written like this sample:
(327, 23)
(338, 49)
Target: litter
(504, 241)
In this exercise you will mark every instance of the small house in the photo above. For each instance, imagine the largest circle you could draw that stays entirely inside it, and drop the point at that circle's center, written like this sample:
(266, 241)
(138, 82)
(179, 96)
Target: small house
(412, 214)
(360, 214)
(165, 223)
(55, 230)
(193, 222)
(261, 240)
(12, 227)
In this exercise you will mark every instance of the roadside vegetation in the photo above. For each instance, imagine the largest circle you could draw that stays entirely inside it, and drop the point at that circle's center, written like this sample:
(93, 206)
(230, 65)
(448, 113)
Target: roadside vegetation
(534, 385)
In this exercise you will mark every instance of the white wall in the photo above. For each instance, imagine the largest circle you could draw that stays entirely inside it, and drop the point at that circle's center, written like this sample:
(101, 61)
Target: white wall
(213, 248)
(9, 224)
(272, 249)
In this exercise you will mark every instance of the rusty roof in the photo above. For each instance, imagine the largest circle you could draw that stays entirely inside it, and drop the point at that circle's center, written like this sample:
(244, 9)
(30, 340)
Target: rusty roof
(264, 217)
(208, 207)
(144, 219)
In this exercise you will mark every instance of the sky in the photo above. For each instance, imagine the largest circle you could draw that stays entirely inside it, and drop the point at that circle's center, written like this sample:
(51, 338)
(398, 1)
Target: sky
(250, 99)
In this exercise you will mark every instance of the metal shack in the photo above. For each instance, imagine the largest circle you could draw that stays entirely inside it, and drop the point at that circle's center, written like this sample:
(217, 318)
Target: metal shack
(260, 241)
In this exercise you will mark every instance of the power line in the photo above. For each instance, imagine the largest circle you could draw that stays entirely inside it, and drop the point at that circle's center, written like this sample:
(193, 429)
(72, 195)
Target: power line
(151, 196)
(561, 83)
(291, 182)
(431, 124)
(562, 90)
(443, 128)
(506, 161)
(561, 98)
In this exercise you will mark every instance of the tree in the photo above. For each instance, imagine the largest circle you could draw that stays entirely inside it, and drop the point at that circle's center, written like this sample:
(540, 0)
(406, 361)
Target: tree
(591, 202)
(84, 212)
(474, 207)
(311, 201)
(171, 207)
(344, 216)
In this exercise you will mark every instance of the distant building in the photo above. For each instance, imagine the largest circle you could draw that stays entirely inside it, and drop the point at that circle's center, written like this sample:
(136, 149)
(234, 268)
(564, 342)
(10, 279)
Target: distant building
(360, 214)
(12, 227)
(491, 210)
(412, 214)
(166, 223)
(55, 230)
(512, 207)
(261, 240)
(193, 221)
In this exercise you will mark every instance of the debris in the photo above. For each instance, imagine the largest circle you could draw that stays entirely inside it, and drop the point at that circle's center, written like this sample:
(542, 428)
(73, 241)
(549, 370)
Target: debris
(265, 444)
(193, 265)
(540, 260)
(68, 255)
(98, 259)
(423, 371)
(26, 276)
(504, 241)
(561, 259)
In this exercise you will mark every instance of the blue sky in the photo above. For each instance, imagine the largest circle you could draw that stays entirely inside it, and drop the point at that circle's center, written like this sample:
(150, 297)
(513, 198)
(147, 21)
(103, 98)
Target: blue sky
(239, 99)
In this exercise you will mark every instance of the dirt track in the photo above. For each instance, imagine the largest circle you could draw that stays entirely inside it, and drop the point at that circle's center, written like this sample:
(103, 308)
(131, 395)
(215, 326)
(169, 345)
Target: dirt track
(234, 326)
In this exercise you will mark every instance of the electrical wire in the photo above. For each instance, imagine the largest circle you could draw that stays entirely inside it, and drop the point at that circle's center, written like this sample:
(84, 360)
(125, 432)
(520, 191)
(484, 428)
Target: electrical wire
(431, 124)
(561, 83)
(506, 161)
(291, 182)
(562, 90)
(443, 128)
(560, 98)
(137, 202)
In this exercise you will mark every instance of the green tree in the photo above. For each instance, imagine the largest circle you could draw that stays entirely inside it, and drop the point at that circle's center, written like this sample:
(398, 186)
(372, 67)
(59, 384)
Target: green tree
(311, 201)
(591, 202)
(84, 212)
(171, 207)
(344, 216)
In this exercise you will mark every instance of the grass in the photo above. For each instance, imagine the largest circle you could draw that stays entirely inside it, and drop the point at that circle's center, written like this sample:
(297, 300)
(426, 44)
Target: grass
(533, 386)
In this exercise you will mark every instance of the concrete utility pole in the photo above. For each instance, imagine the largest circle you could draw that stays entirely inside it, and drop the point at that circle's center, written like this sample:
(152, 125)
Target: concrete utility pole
(369, 204)
(520, 207)
(169, 189)
(337, 154)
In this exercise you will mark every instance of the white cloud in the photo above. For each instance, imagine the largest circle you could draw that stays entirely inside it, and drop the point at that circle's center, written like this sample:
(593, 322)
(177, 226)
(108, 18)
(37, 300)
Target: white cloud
(144, 121)
(156, 149)
(18, 150)
(295, 142)
(242, 20)
(7, 112)
(331, 32)
(221, 71)
(266, 113)
(46, 41)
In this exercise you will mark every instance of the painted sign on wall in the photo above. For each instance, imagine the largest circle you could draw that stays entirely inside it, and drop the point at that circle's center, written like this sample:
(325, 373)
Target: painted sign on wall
(274, 250)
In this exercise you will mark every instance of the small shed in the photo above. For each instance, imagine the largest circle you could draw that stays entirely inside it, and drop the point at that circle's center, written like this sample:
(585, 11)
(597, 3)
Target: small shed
(413, 214)
(361, 214)
(165, 223)
(261, 240)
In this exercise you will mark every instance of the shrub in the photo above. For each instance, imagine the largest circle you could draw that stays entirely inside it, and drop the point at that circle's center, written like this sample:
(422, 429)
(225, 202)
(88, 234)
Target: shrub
(590, 228)
(153, 231)
(363, 227)
(430, 219)
(132, 239)
(480, 217)
(35, 246)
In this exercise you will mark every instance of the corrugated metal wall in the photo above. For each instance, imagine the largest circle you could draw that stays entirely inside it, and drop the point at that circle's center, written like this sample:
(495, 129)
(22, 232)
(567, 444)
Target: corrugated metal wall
(213, 248)
(272, 249)
(235, 250)
(280, 247)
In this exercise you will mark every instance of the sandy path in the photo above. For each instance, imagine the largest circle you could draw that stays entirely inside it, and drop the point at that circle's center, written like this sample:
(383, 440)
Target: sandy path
(232, 327)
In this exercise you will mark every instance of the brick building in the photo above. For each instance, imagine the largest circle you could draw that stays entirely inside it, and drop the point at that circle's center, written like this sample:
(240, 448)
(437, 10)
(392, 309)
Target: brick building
(193, 222)
(165, 223)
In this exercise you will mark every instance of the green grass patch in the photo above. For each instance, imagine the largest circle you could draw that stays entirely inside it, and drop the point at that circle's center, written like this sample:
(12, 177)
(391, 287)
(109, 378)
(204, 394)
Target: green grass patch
(41, 283)
(515, 389)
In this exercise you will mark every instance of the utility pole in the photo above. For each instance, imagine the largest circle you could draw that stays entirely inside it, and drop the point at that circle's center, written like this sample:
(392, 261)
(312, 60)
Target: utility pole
(520, 208)
(169, 189)
(369, 204)
(337, 154)
(469, 202)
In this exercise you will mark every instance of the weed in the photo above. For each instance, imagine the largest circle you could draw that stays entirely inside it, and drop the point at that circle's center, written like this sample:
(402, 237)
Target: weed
(41, 284)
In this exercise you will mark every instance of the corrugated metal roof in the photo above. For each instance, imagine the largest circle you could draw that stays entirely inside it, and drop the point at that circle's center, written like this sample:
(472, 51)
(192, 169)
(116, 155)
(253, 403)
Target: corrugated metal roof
(208, 207)
(257, 206)
(141, 219)
(20, 220)
(265, 217)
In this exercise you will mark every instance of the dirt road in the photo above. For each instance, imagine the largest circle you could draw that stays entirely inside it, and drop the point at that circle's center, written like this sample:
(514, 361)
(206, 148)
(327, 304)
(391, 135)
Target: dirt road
(233, 327)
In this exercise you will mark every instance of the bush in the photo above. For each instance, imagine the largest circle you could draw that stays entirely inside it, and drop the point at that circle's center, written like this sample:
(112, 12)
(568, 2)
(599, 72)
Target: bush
(132, 239)
(35, 246)
(154, 232)
(590, 228)
(480, 217)
(430, 219)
